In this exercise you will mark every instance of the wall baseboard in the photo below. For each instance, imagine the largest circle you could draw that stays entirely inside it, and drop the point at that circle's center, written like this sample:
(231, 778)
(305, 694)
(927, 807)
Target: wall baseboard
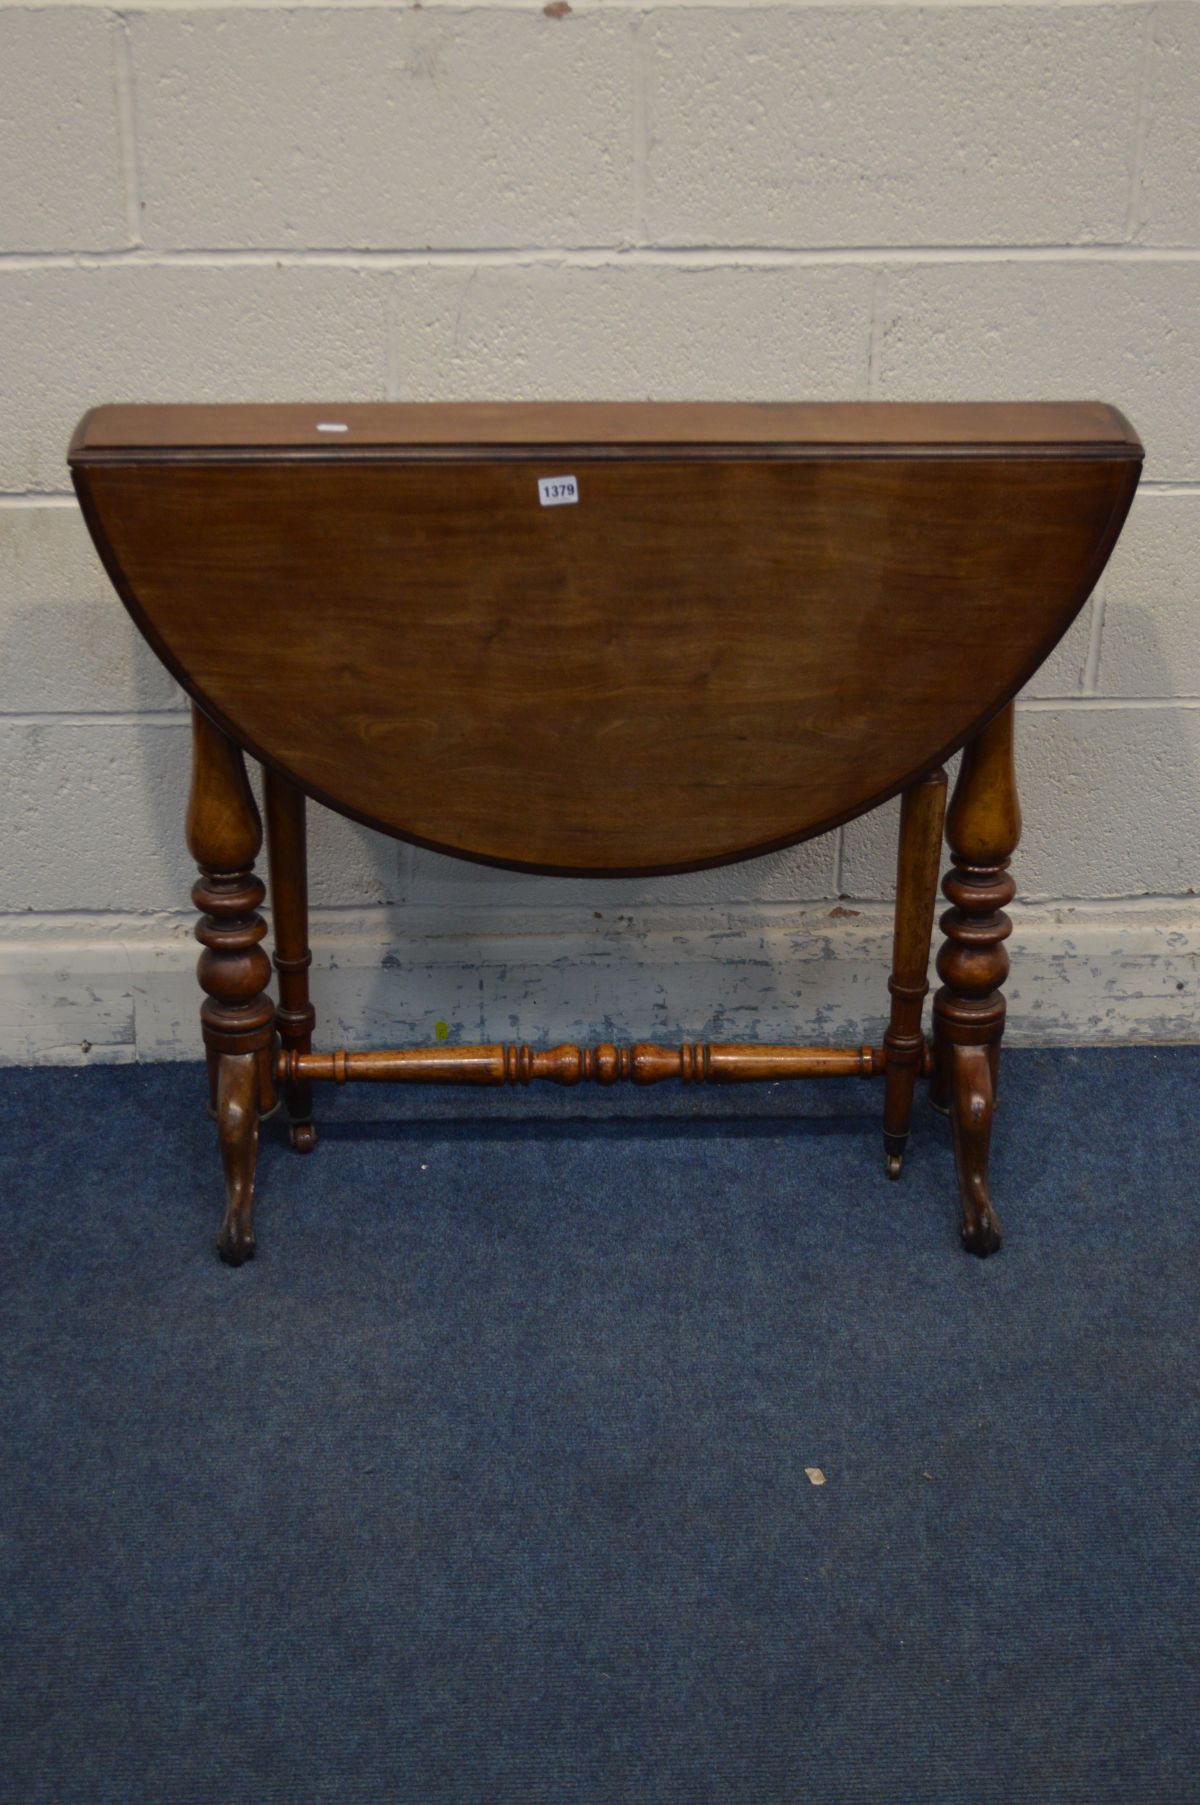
(109, 989)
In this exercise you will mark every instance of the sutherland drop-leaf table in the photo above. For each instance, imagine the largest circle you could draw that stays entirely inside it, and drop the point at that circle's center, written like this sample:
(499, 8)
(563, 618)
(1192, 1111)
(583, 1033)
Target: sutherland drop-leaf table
(604, 639)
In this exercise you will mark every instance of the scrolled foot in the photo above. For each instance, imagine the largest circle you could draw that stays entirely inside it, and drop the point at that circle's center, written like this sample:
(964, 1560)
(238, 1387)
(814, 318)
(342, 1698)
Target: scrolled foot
(982, 1236)
(235, 1244)
(972, 1106)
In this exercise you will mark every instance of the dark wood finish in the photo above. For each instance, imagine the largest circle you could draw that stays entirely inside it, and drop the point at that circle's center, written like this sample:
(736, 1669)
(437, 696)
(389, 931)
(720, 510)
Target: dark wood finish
(756, 622)
(643, 1063)
(686, 667)
(695, 428)
(918, 862)
(983, 827)
(238, 1080)
(224, 837)
(295, 1017)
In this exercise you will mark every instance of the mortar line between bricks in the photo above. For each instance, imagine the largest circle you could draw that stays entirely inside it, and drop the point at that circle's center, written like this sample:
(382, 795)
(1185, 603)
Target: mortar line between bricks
(700, 257)
(1141, 125)
(1091, 669)
(1052, 704)
(126, 110)
(875, 334)
(391, 316)
(839, 857)
(81, 717)
(581, 6)
(37, 498)
(642, 127)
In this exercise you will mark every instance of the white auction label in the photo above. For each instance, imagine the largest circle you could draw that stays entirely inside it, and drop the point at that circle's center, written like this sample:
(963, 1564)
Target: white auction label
(555, 491)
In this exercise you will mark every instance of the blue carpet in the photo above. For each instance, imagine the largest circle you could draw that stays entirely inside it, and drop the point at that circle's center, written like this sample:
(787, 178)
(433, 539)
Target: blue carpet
(486, 1482)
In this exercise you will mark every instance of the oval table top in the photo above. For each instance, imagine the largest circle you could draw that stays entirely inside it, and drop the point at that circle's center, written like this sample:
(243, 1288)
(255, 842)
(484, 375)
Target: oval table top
(605, 637)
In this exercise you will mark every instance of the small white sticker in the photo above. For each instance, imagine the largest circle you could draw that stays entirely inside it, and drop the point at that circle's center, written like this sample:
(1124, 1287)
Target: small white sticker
(556, 491)
(331, 426)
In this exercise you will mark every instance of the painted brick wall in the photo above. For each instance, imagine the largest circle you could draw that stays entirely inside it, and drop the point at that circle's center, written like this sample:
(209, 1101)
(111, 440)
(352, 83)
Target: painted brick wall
(226, 202)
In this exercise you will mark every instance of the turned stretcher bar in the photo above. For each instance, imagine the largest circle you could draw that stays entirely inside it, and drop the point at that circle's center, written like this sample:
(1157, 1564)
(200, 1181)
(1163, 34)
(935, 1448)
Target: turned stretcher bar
(730, 1062)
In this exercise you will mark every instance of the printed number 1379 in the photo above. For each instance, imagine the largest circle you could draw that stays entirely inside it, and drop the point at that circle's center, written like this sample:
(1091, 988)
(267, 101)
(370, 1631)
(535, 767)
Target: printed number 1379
(554, 491)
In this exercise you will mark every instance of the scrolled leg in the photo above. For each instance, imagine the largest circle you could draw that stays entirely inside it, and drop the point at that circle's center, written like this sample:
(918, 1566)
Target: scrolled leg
(973, 1103)
(224, 836)
(237, 1130)
(983, 827)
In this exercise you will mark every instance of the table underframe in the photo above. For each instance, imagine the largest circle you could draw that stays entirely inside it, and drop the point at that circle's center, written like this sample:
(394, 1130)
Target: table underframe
(260, 1050)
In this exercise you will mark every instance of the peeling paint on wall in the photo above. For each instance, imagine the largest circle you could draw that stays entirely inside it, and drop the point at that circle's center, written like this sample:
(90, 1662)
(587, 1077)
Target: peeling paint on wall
(1078, 976)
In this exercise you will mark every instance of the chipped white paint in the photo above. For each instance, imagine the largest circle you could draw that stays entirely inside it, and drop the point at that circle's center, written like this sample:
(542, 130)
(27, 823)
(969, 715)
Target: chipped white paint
(117, 989)
(666, 198)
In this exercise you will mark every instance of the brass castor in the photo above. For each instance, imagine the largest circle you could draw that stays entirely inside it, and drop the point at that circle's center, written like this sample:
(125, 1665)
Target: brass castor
(303, 1137)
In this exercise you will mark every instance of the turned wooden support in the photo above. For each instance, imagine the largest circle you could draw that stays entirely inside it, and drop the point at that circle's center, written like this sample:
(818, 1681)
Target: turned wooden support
(918, 862)
(224, 836)
(295, 1017)
(982, 829)
(642, 1063)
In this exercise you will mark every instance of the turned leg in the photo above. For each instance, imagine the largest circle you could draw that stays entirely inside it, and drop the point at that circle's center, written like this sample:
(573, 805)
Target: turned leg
(982, 828)
(921, 811)
(224, 836)
(294, 1016)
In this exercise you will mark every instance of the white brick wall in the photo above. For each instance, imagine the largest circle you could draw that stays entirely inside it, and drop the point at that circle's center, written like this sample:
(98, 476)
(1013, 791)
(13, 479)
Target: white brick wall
(685, 198)
(370, 130)
(60, 140)
(891, 125)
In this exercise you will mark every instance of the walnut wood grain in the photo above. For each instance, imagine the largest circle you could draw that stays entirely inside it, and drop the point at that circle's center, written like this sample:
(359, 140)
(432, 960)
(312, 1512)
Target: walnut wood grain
(982, 828)
(721, 649)
(731, 1062)
(697, 428)
(224, 836)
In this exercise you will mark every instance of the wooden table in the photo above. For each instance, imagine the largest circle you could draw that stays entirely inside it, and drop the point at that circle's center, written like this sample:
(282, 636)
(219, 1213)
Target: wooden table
(606, 639)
